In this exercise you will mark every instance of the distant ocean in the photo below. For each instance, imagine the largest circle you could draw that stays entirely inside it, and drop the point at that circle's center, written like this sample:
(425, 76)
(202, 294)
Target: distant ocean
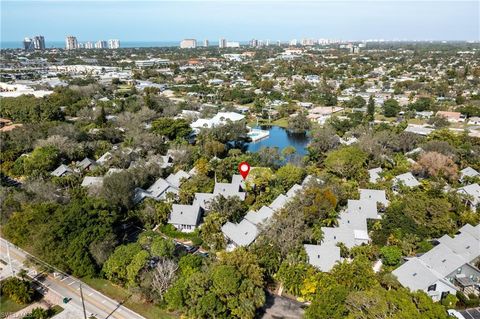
(123, 44)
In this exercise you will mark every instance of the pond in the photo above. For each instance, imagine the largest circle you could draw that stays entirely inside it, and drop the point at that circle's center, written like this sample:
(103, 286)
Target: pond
(281, 138)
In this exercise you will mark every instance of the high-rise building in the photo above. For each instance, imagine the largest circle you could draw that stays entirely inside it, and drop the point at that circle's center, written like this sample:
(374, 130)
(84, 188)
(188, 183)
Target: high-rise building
(28, 44)
(294, 42)
(188, 44)
(205, 43)
(71, 42)
(254, 43)
(113, 44)
(89, 45)
(39, 42)
(101, 44)
(222, 43)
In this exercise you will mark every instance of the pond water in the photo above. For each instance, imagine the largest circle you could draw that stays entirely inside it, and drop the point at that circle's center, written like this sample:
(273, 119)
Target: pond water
(281, 138)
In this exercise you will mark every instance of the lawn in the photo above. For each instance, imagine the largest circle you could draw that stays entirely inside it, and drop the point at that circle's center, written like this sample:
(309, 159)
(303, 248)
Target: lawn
(9, 306)
(149, 311)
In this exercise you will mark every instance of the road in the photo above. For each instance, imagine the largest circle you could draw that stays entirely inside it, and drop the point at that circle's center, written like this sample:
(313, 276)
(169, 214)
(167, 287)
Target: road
(101, 306)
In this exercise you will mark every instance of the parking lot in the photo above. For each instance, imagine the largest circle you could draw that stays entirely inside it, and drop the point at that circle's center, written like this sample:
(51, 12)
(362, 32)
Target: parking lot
(473, 313)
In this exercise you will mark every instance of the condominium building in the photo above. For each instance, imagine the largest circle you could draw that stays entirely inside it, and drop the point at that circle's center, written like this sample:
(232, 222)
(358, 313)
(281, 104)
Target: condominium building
(188, 44)
(71, 42)
(39, 42)
(101, 44)
(28, 44)
(222, 43)
(254, 43)
(206, 43)
(113, 44)
(89, 45)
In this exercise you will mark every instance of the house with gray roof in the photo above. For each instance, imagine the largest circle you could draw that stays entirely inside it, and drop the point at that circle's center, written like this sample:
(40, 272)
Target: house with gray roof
(472, 195)
(468, 172)
(185, 218)
(86, 163)
(446, 268)
(92, 181)
(62, 170)
(379, 196)
(176, 179)
(323, 257)
(231, 189)
(104, 158)
(294, 190)
(241, 234)
(203, 200)
(406, 179)
(260, 216)
(279, 202)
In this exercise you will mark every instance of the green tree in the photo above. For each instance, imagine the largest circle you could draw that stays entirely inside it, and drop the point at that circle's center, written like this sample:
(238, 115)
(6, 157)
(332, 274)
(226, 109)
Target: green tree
(371, 109)
(391, 108)
(299, 123)
(115, 268)
(391, 255)
(347, 162)
(171, 128)
(289, 175)
(162, 247)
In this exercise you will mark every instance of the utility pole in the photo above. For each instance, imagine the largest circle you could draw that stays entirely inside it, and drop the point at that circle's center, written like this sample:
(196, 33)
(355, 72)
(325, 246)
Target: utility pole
(83, 303)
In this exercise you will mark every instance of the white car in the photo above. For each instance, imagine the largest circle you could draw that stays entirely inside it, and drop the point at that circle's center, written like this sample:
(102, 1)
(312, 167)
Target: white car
(455, 314)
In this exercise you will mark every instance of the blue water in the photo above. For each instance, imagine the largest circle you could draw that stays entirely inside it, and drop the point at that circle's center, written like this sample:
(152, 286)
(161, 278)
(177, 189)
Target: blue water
(281, 138)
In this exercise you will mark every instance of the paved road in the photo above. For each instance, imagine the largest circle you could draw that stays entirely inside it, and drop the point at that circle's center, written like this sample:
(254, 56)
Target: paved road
(67, 286)
(473, 313)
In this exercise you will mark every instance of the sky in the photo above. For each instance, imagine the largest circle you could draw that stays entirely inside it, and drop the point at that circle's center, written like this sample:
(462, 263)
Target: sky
(240, 20)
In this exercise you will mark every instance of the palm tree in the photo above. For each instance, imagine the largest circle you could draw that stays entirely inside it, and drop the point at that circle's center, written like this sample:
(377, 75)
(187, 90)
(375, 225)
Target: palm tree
(331, 220)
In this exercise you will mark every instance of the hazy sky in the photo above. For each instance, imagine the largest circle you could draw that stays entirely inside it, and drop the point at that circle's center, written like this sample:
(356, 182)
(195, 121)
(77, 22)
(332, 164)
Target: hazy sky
(240, 20)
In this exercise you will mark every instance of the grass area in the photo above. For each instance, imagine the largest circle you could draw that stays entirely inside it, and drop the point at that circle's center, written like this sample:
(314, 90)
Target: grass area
(118, 293)
(9, 306)
(283, 122)
(56, 310)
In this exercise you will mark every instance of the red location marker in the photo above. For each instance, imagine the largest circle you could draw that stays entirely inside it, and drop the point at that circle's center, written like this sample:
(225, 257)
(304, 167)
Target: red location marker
(244, 168)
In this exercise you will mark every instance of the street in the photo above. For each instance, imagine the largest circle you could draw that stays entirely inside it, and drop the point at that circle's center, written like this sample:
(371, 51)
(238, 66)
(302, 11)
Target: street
(63, 286)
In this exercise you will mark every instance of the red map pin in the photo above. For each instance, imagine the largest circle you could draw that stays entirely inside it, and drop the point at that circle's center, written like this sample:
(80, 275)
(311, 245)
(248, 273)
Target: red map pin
(244, 168)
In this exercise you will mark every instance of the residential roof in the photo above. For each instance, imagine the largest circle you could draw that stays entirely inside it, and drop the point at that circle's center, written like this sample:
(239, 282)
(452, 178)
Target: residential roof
(260, 216)
(407, 179)
(443, 259)
(61, 170)
(415, 275)
(279, 202)
(338, 235)
(86, 162)
(89, 181)
(185, 215)
(352, 221)
(175, 179)
(293, 190)
(367, 208)
(469, 172)
(157, 189)
(324, 256)
(242, 234)
(227, 190)
(104, 158)
(472, 190)
(376, 195)
(203, 200)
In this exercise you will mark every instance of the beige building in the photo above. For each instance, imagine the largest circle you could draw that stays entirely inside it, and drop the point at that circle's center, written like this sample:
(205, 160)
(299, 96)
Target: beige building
(188, 44)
